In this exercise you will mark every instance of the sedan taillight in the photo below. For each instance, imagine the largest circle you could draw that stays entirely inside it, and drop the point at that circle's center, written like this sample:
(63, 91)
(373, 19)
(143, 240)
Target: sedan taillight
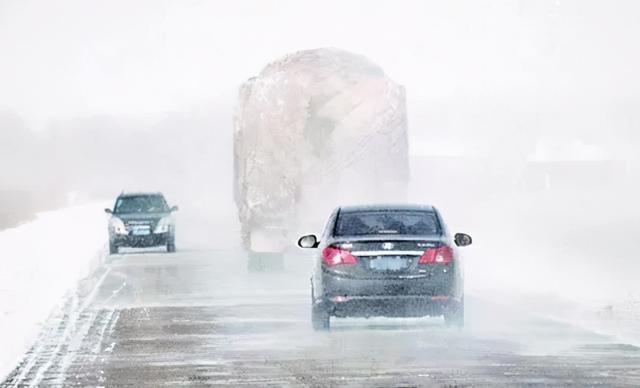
(332, 256)
(438, 255)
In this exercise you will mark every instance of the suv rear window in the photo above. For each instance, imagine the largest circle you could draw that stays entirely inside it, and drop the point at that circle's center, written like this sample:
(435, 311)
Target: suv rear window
(141, 204)
(414, 223)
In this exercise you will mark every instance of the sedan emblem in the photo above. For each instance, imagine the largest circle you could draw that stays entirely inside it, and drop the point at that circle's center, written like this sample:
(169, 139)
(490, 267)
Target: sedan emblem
(388, 246)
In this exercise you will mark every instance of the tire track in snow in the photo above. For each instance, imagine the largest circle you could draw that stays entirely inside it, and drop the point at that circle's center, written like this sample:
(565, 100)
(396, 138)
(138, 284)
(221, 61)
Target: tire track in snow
(42, 344)
(68, 323)
(103, 322)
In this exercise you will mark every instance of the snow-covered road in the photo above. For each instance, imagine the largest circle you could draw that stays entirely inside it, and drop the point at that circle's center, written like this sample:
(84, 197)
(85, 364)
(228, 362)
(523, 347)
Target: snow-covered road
(198, 317)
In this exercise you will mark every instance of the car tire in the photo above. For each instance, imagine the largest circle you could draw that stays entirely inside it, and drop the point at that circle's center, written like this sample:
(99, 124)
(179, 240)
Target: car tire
(113, 249)
(320, 319)
(454, 314)
(171, 246)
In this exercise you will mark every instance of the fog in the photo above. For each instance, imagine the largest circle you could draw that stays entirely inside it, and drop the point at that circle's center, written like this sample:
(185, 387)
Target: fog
(523, 116)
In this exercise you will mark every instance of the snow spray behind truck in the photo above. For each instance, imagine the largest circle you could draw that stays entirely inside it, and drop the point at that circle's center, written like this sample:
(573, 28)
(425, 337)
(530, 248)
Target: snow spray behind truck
(314, 130)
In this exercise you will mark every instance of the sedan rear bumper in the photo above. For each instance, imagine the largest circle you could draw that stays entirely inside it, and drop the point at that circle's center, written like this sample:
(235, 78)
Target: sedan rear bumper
(388, 306)
(439, 280)
(409, 296)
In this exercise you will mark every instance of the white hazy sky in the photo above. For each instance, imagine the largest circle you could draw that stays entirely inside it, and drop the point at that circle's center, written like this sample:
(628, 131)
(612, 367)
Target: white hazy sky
(60, 59)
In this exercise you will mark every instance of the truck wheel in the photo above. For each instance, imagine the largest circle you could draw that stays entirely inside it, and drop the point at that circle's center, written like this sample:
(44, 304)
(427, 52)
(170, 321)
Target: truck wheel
(454, 314)
(320, 319)
(171, 245)
(113, 249)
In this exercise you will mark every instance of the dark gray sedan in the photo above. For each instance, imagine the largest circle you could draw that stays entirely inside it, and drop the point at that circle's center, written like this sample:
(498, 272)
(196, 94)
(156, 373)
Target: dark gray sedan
(389, 261)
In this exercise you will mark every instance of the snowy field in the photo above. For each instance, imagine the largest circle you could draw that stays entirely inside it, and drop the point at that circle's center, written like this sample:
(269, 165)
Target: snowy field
(42, 261)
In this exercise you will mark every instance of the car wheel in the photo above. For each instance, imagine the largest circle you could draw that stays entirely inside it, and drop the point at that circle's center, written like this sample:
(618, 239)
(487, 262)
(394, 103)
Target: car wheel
(171, 246)
(454, 314)
(320, 319)
(113, 249)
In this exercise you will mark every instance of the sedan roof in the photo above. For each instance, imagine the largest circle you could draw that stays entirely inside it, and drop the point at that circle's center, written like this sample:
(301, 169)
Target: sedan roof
(387, 207)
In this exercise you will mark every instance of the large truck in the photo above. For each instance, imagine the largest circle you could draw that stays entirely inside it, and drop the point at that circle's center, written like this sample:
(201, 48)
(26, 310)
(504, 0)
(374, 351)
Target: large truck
(314, 130)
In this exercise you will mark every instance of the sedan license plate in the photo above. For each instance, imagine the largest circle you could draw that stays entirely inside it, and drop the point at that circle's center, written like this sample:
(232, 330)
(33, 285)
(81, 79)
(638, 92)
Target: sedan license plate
(141, 231)
(388, 264)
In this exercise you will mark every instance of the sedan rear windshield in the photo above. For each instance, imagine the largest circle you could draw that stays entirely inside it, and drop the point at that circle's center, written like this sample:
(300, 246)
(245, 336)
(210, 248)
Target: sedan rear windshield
(413, 223)
(141, 204)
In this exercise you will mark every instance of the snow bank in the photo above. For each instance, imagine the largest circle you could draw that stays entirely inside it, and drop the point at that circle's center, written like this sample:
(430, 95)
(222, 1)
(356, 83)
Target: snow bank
(40, 262)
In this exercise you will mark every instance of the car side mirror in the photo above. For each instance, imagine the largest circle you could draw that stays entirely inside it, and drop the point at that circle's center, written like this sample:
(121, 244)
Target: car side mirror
(309, 241)
(108, 211)
(462, 239)
(174, 209)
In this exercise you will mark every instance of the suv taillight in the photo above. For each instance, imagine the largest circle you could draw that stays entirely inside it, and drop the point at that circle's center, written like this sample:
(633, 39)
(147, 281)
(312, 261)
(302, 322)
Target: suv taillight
(438, 255)
(332, 256)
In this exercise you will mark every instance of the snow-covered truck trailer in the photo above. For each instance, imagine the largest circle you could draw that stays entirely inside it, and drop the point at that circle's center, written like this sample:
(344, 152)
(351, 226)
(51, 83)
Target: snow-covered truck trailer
(315, 130)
